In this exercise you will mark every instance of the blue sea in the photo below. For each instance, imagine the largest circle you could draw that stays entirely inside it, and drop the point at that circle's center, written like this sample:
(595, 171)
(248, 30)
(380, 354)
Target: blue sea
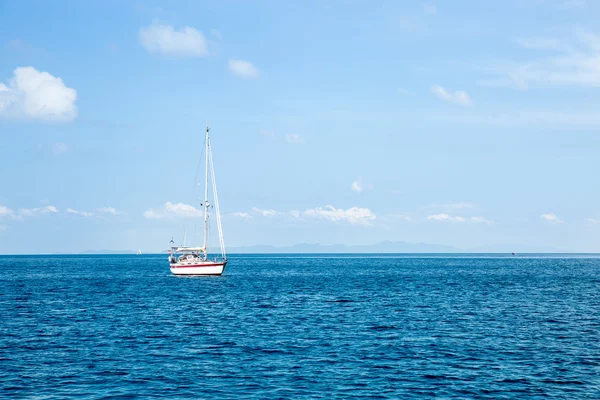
(301, 326)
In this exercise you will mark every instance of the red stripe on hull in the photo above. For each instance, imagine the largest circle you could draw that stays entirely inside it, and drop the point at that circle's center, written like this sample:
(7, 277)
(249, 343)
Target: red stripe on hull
(196, 265)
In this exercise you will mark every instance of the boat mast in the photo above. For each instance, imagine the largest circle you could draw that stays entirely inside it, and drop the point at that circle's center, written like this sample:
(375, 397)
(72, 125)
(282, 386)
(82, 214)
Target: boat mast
(206, 196)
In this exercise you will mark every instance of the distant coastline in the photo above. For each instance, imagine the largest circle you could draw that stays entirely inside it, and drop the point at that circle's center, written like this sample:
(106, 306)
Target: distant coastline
(386, 247)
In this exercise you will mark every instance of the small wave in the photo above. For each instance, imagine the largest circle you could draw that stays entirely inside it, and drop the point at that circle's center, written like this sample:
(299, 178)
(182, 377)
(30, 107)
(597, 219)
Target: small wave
(382, 327)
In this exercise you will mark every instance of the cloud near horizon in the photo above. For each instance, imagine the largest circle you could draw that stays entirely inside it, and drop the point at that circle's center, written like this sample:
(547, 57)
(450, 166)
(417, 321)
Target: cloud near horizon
(173, 211)
(353, 215)
(35, 95)
(551, 218)
(81, 213)
(450, 218)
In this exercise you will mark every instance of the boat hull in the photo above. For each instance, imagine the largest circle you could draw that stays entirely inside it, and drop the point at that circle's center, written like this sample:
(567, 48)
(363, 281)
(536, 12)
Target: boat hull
(198, 268)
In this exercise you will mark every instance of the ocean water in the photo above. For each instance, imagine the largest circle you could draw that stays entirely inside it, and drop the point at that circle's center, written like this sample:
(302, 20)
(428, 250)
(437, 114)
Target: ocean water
(301, 326)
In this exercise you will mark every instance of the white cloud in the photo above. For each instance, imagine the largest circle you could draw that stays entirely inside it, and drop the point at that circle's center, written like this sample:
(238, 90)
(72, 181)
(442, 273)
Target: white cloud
(357, 185)
(32, 94)
(165, 40)
(82, 213)
(459, 97)
(294, 139)
(32, 212)
(108, 210)
(592, 221)
(551, 218)
(295, 214)
(445, 217)
(241, 215)
(59, 148)
(353, 215)
(265, 213)
(243, 69)
(429, 8)
(172, 211)
(6, 212)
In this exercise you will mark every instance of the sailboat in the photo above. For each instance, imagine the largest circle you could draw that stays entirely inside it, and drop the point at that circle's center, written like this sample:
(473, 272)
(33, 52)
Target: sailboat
(190, 260)
(139, 252)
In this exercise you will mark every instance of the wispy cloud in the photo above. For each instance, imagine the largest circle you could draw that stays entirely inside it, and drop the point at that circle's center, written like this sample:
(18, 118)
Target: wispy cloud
(445, 217)
(449, 218)
(592, 221)
(357, 185)
(59, 148)
(243, 69)
(265, 213)
(81, 213)
(6, 212)
(458, 97)
(108, 210)
(551, 218)
(243, 215)
(294, 139)
(563, 62)
(353, 215)
(290, 138)
(32, 212)
(36, 95)
(481, 220)
(173, 211)
(166, 40)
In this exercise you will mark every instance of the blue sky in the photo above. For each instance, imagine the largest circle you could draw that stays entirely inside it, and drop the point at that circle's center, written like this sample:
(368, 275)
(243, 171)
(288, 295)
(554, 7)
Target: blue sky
(471, 124)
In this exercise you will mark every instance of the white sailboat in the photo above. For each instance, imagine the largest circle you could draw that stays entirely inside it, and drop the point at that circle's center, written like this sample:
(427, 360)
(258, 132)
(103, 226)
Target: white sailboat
(139, 252)
(189, 260)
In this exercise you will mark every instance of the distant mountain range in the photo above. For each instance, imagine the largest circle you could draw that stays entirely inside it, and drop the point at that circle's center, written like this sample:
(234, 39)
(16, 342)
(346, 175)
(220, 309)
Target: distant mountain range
(382, 247)
(103, 251)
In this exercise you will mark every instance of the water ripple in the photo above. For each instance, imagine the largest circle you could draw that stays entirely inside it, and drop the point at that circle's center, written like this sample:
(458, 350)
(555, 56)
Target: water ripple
(301, 327)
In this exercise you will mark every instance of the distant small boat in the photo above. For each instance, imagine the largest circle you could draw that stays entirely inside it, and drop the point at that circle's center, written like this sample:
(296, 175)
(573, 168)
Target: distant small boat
(513, 253)
(139, 252)
(193, 260)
